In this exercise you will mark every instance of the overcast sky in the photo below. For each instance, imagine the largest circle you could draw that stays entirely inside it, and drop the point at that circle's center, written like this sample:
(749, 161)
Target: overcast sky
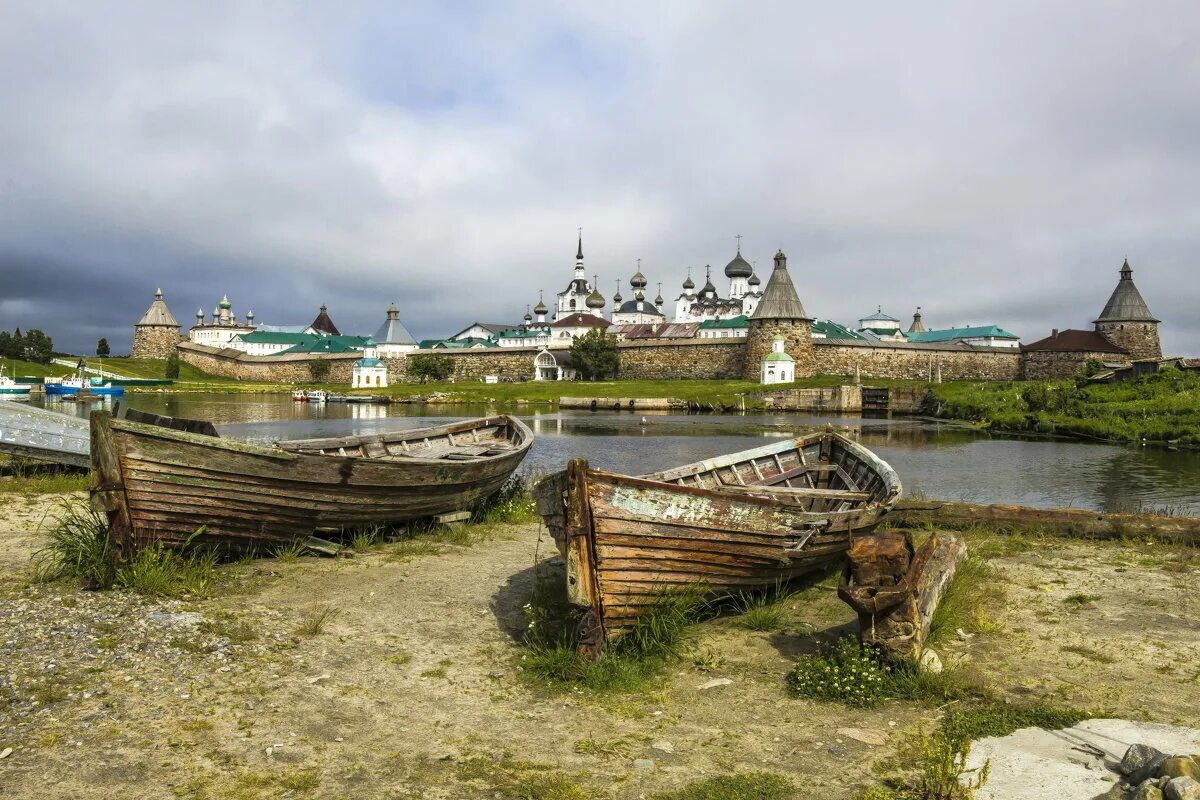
(993, 165)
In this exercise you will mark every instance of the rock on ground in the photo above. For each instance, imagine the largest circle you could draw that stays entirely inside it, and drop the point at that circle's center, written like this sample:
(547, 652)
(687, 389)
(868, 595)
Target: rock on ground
(1033, 764)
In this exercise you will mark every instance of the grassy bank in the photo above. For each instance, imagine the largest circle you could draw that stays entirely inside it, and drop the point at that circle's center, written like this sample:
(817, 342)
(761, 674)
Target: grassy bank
(16, 368)
(1157, 409)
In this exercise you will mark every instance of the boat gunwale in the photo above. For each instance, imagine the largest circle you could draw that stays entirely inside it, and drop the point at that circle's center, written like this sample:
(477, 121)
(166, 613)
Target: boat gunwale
(635, 482)
(887, 474)
(306, 446)
(278, 453)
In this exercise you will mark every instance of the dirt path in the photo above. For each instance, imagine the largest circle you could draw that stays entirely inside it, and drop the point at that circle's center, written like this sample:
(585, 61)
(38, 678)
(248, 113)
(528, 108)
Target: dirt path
(413, 689)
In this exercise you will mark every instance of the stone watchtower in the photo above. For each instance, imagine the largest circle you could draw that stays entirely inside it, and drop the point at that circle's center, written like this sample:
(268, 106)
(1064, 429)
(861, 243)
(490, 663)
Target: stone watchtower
(1126, 320)
(157, 333)
(780, 312)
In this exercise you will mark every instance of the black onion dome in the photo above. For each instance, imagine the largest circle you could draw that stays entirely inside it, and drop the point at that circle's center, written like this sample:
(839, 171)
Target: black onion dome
(689, 283)
(638, 281)
(754, 279)
(595, 299)
(738, 267)
(540, 308)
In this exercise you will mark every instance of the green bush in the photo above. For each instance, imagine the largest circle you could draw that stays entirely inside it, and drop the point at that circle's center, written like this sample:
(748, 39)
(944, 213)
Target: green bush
(171, 370)
(430, 367)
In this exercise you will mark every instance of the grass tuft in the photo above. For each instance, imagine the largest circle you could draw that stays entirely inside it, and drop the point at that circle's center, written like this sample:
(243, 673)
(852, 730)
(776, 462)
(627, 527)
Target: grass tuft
(965, 603)
(78, 547)
(512, 503)
(158, 571)
(313, 623)
(630, 662)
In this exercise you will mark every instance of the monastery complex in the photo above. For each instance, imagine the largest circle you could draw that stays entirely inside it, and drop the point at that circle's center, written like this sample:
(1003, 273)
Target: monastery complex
(755, 328)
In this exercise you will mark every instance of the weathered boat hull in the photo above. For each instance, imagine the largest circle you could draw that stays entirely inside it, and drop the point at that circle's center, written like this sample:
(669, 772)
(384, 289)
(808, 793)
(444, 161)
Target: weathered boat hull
(164, 485)
(626, 540)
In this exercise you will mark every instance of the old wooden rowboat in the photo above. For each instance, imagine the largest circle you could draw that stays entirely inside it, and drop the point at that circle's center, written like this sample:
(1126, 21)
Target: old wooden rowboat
(159, 484)
(735, 523)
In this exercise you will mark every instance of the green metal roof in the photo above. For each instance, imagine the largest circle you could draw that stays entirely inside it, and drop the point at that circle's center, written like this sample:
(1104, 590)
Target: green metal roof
(773, 356)
(276, 337)
(832, 330)
(368, 362)
(331, 344)
(463, 344)
(740, 321)
(950, 334)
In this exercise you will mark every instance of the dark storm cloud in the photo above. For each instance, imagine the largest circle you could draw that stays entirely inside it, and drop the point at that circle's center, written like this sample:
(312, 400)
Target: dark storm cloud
(990, 164)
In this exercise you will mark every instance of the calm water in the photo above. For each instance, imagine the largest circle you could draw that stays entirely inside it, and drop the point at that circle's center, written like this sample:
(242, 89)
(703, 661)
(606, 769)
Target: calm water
(938, 460)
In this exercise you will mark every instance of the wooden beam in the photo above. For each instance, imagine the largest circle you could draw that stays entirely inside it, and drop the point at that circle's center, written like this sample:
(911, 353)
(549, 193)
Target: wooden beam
(896, 614)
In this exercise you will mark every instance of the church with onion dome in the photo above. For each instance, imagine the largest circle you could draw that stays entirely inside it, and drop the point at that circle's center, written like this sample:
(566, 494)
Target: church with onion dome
(708, 305)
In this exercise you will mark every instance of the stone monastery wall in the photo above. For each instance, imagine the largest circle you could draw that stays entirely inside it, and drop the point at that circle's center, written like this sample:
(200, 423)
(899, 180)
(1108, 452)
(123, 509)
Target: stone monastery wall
(694, 359)
(917, 361)
(1050, 365)
(230, 363)
(651, 359)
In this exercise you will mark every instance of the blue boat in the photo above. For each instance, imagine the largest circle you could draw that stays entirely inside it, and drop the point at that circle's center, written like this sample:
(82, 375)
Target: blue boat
(70, 387)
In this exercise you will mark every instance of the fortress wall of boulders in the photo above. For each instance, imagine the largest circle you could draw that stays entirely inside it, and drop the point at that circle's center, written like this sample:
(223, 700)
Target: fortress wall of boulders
(663, 359)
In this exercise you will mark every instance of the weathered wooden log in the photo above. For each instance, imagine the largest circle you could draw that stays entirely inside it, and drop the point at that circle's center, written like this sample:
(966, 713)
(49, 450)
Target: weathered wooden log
(944, 515)
(896, 608)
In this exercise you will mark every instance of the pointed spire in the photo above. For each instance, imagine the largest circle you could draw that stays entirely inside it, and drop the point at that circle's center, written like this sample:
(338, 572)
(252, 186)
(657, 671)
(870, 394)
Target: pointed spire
(579, 255)
(1126, 303)
(780, 300)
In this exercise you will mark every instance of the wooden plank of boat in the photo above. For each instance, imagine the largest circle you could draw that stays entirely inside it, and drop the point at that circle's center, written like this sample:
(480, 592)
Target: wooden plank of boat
(161, 484)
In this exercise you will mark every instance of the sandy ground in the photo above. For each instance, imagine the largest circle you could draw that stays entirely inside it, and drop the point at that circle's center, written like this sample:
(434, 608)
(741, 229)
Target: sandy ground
(414, 688)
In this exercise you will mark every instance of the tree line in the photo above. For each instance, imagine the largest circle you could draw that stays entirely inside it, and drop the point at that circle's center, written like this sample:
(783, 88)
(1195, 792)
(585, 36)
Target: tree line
(33, 345)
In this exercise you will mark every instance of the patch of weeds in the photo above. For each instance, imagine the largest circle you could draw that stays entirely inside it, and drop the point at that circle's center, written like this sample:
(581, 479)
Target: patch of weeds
(746, 786)
(1088, 653)
(931, 766)
(512, 779)
(707, 660)
(197, 725)
(49, 693)
(29, 480)
(856, 674)
(158, 571)
(603, 748)
(290, 552)
(512, 503)
(78, 547)
(440, 671)
(965, 603)
(314, 621)
(994, 545)
(631, 660)
(407, 549)
(1081, 600)
(189, 645)
(299, 780)
(399, 659)
(232, 629)
(974, 721)
(758, 611)
(367, 539)
(109, 641)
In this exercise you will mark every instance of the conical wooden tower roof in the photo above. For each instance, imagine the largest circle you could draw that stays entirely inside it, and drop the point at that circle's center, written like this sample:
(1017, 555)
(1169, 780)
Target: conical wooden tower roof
(1126, 303)
(780, 300)
(158, 313)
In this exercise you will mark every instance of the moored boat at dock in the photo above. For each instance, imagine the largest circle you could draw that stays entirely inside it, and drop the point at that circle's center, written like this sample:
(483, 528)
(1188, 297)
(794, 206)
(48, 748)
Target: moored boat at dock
(735, 523)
